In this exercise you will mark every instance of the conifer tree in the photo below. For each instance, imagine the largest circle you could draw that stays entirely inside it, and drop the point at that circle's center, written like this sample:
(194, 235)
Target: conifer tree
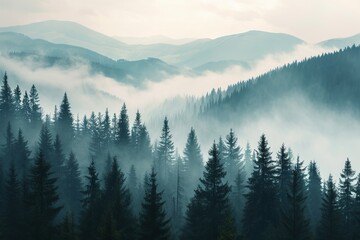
(12, 215)
(95, 142)
(232, 157)
(22, 159)
(42, 200)
(221, 149)
(45, 143)
(17, 104)
(117, 202)
(249, 164)
(106, 131)
(153, 222)
(165, 153)
(64, 124)
(123, 136)
(91, 205)
(134, 189)
(73, 187)
(35, 109)
(284, 172)
(67, 228)
(6, 103)
(193, 162)
(293, 218)
(330, 221)
(135, 135)
(356, 209)
(207, 211)
(261, 206)
(26, 109)
(8, 149)
(145, 153)
(314, 194)
(346, 199)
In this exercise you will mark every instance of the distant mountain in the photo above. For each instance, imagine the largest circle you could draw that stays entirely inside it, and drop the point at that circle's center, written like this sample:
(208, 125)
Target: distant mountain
(341, 42)
(46, 54)
(153, 40)
(71, 33)
(244, 47)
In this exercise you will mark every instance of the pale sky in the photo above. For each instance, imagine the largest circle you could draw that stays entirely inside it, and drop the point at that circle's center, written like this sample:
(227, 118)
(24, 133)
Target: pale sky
(311, 20)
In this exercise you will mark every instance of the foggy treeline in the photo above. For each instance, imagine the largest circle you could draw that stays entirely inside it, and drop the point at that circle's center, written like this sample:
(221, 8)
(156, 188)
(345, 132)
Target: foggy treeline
(100, 177)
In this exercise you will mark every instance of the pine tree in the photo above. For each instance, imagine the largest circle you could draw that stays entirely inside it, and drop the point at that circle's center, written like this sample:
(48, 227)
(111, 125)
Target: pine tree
(135, 136)
(17, 103)
(42, 200)
(346, 200)
(165, 153)
(64, 124)
(330, 221)
(45, 143)
(356, 209)
(207, 211)
(95, 143)
(221, 149)
(8, 151)
(12, 216)
(232, 157)
(22, 155)
(314, 194)
(6, 103)
(284, 172)
(35, 109)
(133, 186)
(249, 164)
(193, 162)
(91, 200)
(293, 218)
(106, 131)
(73, 187)
(67, 228)
(153, 222)
(261, 200)
(26, 109)
(123, 136)
(145, 153)
(117, 202)
(114, 128)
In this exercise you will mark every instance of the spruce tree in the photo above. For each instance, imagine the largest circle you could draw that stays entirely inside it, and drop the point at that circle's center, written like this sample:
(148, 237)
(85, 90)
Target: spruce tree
(314, 194)
(117, 203)
(91, 205)
(26, 109)
(284, 172)
(12, 216)
(145, 153)
(232, 157)
(17, 104)
(261, 206)
(6, 103)
(95, 142)
(165, 153)
(356, 209)
(135, 136)
(42, 200)
(133, 186)
(8, 149)
(22, 155)
(346, 199)
(330, 221)
(293, 218)
(153, 222)
(45, 143)
(106, 131)
(249, 164)
(207, 211)
(35, 109)
(193, 163)
(64, 124)
(123, 136)
(73, 187)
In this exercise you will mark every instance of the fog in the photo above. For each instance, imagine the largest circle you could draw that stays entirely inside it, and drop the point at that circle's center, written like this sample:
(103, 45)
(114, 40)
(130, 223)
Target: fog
(312, 133)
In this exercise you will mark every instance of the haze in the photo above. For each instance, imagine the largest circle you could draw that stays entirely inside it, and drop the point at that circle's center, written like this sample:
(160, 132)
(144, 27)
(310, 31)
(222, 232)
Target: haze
(312, 21)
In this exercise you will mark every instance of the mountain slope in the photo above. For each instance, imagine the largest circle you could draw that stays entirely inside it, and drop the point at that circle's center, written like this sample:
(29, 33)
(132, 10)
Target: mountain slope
(328, 81)
(46, 54)
(341, 42)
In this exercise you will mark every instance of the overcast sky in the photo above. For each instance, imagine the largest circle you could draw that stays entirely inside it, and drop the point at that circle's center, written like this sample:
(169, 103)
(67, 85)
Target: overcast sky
(311, 20)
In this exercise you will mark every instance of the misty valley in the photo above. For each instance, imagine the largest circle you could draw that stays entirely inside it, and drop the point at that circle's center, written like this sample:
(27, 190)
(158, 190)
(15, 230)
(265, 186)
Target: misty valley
(96, 147)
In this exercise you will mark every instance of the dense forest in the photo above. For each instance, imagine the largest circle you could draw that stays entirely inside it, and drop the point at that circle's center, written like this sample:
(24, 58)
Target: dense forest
(98, 177)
